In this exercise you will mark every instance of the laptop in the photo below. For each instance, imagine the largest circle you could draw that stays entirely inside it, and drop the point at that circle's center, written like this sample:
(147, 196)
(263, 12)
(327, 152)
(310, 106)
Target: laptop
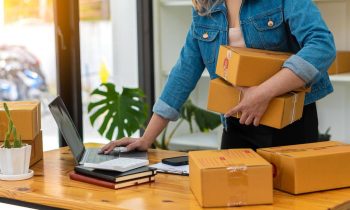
(81, 154)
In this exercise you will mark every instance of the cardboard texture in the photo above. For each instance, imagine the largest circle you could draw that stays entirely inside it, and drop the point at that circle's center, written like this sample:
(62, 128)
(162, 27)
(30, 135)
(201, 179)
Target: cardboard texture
(341, 63)
(248, 67)
(26, 116)
(236, 177)
(37, 148)
(281, 111)
(310, 167)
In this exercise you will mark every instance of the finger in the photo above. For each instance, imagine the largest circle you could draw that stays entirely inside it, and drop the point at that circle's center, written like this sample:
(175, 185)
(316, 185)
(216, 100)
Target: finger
(240, 88)
(257, 121)
(233, 111)
(124, 142)
(243, 118)
(107, 146)
(133, 146)
(250, 119)
(118, 143)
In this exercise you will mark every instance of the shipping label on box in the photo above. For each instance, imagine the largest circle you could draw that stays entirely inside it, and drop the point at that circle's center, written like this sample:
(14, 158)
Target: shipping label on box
(310, 167)
(26, 116)
(233, 177)
(282, 110)
(248, 67)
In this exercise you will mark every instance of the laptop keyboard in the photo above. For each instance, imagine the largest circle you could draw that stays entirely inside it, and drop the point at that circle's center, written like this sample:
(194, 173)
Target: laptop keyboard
(92, 156)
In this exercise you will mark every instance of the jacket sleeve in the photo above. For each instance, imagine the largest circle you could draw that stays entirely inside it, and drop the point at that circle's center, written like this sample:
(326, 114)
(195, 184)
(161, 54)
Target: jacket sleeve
(314, 38)
(182, 79)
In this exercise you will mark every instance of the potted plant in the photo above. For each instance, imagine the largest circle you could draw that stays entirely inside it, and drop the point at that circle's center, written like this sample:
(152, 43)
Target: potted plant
(122, 114)
(190, 113)
(14, 156)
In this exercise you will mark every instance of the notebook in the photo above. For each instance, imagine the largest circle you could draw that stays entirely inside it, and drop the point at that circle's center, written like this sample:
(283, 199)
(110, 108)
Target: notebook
(115, 176)
(120, 164)
(111, 185)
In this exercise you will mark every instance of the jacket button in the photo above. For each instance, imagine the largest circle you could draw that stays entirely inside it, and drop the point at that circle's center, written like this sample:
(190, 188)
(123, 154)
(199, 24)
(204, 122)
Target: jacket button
(270, 23)
(205, 35)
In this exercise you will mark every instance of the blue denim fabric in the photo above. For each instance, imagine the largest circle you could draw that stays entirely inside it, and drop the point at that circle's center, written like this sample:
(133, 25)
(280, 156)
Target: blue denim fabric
(297, 28)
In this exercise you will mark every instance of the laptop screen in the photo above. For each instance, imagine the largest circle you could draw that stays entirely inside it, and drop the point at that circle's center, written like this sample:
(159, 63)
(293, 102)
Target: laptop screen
(67, 127)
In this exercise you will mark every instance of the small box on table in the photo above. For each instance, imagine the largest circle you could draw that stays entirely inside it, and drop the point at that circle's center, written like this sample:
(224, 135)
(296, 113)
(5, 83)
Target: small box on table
(309, 167)
(233, 177)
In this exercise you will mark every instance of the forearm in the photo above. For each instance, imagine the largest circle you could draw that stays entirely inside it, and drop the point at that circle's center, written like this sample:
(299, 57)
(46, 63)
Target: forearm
(282, 82)
(155, 126)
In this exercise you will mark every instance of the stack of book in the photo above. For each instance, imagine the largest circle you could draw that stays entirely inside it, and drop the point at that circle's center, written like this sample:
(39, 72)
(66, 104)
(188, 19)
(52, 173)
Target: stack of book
(113, 179)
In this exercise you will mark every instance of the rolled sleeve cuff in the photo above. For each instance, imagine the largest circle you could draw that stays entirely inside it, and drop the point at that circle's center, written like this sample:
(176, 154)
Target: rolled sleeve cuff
(302, 68)
(164, 110)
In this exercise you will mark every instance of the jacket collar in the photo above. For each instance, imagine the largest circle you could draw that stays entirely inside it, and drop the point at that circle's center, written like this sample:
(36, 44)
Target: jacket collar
(219, 7)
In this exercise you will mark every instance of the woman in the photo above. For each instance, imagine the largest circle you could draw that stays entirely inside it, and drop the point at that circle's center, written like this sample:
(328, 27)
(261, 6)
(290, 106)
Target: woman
(279, 25)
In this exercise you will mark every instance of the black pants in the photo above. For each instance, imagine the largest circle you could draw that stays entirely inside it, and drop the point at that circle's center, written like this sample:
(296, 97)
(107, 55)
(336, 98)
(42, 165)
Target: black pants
(302, 131)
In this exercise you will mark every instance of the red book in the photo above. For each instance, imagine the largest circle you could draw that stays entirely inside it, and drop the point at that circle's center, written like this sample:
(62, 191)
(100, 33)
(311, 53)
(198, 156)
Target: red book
(111, 185)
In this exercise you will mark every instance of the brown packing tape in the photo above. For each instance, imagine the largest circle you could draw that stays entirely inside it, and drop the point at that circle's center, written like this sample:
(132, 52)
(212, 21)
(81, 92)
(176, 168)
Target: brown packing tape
(292, 114)
(237, 179)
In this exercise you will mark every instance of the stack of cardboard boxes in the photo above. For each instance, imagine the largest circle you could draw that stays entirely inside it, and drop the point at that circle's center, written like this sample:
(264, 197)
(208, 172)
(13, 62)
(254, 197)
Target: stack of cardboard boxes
(26, 116)
(243, 67)
(239, 177)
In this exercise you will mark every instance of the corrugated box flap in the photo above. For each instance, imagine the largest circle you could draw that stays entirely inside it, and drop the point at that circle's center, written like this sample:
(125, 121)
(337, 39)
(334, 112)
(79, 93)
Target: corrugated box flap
(227, 158)
(20, 105)
(259, 53)
(310, 150)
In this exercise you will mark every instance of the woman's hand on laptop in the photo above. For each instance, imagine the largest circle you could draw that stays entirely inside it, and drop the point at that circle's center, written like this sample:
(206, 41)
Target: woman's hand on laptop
(130, 143)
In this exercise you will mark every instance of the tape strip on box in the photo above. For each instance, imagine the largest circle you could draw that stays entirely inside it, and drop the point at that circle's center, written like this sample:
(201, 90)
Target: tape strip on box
(237, 179)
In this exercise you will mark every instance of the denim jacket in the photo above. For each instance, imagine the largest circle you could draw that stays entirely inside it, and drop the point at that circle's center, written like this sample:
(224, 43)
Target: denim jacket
(297, 27)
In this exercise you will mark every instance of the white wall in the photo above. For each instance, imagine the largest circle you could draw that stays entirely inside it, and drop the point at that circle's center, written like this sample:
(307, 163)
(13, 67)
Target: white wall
(334, 110)
(124, 27)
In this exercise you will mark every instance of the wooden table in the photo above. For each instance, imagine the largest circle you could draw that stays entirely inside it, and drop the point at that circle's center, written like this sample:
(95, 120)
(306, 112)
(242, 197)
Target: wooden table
(51, 186)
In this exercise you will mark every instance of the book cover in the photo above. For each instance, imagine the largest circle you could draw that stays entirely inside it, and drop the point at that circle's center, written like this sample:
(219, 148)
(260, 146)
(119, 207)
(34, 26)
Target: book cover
(115, 176)
(112, 185)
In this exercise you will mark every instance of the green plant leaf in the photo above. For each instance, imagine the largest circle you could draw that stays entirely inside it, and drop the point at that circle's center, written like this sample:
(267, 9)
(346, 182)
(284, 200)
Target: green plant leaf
(123, 113)
(186, 113)
(204, 119)
(7, 143)
(7, 111)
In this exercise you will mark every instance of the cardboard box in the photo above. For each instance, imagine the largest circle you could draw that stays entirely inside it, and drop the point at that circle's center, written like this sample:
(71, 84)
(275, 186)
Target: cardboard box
(26, 117)
(37, 148)
(236, 177)
(309, 167)
(248, 67)
(281, 111)
(341, 63)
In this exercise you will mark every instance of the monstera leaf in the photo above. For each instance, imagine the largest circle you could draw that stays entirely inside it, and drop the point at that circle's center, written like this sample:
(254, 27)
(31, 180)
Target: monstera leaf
(204, 119)
(124, 112)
